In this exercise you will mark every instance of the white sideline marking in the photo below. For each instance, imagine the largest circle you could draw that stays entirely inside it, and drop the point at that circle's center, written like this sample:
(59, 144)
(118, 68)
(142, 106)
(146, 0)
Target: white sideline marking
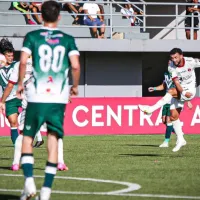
(131, 186)
(123, 192)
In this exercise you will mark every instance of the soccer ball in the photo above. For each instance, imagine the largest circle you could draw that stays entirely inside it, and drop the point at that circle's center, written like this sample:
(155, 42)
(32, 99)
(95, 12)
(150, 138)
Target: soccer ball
(2, 60)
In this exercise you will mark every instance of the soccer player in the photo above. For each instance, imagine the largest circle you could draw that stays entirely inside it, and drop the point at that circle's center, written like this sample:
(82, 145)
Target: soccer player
(12, 102)
(52, 51)
(166, 85)
(182, 71)
(12, 88)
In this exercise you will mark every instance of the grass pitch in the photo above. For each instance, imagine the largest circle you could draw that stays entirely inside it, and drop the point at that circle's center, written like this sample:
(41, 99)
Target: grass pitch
(133, 159)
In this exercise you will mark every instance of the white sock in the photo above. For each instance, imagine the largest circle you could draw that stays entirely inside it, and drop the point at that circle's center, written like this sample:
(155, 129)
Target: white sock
(60, 151)
(18, 149)
(39, 136)
(178, 129)
(166, 99)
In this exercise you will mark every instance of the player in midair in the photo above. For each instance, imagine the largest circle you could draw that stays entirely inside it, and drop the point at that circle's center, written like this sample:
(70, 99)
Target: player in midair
(182, 70)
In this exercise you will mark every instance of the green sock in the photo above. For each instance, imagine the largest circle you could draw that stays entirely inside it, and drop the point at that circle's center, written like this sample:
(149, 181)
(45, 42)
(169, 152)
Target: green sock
(14, 134)
(27, 162)
(168, 132)
(50, 172)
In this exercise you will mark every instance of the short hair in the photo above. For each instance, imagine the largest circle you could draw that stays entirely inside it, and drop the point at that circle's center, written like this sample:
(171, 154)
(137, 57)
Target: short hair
(6, 46)
(176, 50)
(50, 11)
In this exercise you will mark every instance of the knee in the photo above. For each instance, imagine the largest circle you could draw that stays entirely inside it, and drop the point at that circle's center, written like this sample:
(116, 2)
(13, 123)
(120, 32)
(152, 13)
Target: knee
(173, 118)
(14, 123)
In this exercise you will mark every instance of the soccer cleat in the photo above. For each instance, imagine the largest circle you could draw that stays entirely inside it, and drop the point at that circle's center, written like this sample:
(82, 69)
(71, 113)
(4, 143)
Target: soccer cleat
(62, 167)
(145, 109)
(38, 144)
(15, 167)
(179, 144)
(164, 145)
(29, 189)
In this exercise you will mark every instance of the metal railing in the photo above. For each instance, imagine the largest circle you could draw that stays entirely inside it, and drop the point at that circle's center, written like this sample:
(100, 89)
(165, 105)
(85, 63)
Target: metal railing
(111, 14)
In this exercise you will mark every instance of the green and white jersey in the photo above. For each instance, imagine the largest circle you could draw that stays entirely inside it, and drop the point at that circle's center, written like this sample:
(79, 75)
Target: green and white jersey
(50, 50)
(168, 81)
(5, 73)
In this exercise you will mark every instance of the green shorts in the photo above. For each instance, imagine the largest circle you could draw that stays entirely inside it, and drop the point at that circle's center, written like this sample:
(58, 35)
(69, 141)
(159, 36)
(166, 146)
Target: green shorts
(166, 110)
(12, 106)
(39, 113)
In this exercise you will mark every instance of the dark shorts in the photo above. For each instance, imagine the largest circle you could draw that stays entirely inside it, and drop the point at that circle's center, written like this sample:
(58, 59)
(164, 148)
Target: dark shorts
(96, 22)
(166, 110)
(12, 106)
(39, 113)
(188, 23)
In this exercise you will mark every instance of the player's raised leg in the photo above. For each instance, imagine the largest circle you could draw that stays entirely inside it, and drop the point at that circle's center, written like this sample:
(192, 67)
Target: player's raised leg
(172, 93)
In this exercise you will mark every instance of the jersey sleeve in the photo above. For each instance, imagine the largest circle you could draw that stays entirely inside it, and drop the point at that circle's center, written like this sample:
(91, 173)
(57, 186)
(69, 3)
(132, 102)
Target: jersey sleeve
(73, 50)
(14, 75)
(196, 62)
(27, 44)
(172, 71)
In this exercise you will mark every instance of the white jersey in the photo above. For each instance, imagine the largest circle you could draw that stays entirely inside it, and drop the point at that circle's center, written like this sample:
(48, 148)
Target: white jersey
(15, 74)
(186, 73)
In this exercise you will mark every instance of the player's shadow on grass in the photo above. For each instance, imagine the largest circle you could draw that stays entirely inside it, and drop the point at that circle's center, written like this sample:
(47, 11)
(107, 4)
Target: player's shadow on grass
(142, 145)
(8, 197)
(4, 168)
(141, 155)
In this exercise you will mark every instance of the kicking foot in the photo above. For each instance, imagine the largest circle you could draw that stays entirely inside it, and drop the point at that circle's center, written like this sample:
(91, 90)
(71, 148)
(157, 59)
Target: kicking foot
(62, 167)
(164, 145)
(38, 144)
(29, 189)
(179, 144)
(15, 167)
(145, 109)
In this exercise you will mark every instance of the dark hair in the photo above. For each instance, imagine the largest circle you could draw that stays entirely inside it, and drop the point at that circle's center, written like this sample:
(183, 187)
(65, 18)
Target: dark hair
(50, 11)
(176, 50)
(6, 46)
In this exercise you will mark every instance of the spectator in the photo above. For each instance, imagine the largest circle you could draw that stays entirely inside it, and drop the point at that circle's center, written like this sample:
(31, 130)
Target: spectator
(23, 7)
(76, 8)
(128, 12)
(131, 14)
(192, 10)
(91, 19)
(35, 7)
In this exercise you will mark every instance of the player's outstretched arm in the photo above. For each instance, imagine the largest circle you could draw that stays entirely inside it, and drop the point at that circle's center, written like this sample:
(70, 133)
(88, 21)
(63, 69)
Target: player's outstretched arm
(157, 88)
(75, 64)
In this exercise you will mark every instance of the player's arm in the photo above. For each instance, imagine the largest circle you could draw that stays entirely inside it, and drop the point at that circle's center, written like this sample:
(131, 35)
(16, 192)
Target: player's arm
(7, 92)
(75, 66)
(196, 62)
(25, 53)
(157, 88)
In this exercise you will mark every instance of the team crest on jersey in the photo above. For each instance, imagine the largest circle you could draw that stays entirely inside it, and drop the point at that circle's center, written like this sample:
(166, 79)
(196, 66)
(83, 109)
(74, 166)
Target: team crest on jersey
(189, 70)
(50, 38)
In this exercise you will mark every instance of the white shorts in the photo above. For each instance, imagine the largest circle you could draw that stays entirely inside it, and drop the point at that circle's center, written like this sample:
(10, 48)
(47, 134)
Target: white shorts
(179, 103)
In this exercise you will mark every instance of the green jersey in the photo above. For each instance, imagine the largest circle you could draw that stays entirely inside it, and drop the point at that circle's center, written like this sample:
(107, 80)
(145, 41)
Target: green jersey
(5, 73)
(168, 81)
(50, 50)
